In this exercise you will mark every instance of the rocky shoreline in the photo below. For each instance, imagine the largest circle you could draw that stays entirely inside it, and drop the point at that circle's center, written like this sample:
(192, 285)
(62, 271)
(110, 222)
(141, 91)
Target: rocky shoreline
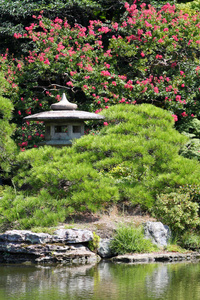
(71, 247)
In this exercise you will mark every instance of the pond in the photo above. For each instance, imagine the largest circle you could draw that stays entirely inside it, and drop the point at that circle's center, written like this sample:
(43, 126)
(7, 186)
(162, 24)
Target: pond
(174, 281)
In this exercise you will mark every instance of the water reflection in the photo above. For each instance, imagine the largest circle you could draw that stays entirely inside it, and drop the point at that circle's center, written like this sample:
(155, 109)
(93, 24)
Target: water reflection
(157, 283)
(104, 281)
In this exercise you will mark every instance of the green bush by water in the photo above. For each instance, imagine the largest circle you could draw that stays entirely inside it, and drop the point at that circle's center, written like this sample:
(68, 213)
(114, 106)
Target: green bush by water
(177, 210)
(133, 159)
(129, 239)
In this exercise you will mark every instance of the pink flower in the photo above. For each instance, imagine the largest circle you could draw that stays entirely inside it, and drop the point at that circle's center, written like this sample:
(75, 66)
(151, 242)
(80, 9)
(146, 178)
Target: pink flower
(178, 98)
(148, 33)
(19, 66)
(114, 83)
(46, 62)
(69, 83)
(19, 112)
(105, 124)
(17, 35)
(142, 54)
(181, 72)
(184, 114)
(58, 97)
(105, 73)
(175, 118)
(156, 90)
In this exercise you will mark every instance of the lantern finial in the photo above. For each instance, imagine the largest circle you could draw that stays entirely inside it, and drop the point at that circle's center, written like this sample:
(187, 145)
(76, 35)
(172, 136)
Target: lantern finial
(64, 104)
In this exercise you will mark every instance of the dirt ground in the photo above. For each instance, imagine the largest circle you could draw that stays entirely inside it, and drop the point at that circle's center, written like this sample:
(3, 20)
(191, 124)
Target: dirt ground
(104, 224)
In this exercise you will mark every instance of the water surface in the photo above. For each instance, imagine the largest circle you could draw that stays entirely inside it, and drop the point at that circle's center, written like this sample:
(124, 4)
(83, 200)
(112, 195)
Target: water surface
(180, 281)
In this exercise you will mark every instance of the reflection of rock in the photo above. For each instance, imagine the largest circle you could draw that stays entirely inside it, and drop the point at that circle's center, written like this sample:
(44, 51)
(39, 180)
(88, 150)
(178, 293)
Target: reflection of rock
(157, 232)
(29, 279)
(158, 281)
(65, 246)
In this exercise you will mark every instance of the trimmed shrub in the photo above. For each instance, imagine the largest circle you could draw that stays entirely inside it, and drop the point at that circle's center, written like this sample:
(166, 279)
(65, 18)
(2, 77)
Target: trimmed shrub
(133, 158)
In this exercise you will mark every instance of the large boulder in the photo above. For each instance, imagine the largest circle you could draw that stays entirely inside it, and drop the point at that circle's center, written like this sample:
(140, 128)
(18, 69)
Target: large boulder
(64, 246)
(104, 250)
(158, 233)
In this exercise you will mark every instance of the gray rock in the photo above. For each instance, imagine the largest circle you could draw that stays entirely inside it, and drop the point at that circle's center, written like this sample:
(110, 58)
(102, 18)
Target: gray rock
(37, 238)
(19, 236)
(157, 232)
(65, 246)
(72, 236)
(14, 236)
(104, 250)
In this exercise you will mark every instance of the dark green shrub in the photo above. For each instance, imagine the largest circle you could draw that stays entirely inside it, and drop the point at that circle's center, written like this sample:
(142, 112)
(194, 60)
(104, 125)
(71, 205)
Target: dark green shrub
(129, 239)
(190, 240)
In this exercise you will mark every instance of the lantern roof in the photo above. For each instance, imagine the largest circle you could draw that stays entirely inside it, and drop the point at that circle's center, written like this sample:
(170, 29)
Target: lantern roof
(64, 110)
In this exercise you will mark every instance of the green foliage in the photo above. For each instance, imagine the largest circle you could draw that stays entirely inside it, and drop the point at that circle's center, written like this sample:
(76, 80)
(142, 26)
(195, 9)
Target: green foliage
(190, 7)
(191, 149)
(191, 129)
(7, 145)
(94, 244)
(175, 248)
(133, 158)
(177, 210)
(49, 230)
(129, 239)
(190, 240)
(1, 190)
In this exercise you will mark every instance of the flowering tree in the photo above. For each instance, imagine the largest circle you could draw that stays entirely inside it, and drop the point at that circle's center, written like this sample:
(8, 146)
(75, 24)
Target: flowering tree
(150, 56)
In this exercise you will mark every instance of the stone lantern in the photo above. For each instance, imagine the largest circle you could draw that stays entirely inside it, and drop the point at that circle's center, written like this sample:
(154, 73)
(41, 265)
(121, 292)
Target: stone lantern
(63, 123)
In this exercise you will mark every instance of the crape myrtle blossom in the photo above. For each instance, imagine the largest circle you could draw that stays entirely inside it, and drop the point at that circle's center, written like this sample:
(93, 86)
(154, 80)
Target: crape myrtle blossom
(138, 64)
